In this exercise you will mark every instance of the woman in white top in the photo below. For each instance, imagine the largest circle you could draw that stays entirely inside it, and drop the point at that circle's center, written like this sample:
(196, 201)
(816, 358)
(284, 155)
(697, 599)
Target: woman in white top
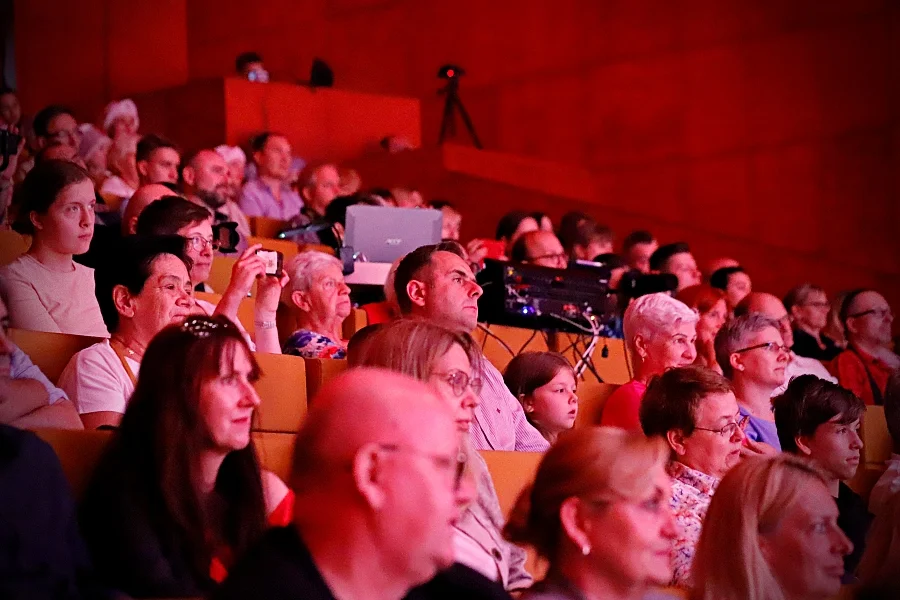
(145, 287)
(45, 288)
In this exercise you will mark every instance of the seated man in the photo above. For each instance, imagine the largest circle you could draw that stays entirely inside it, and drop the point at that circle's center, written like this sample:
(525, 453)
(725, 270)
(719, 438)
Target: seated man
(695, 410)
(676, 259)
(512, 225)
(319, 185)
(55, 125)
(587, 240)
(360, 530)
(436, 283)
(889, 482)
(142, 198)
(820, 420)
(249, 65)
(270, 194)
(637, 249)
(27, 398)
(206, 183)
(771, 307)
(735, 282)
(540, 248)
(157, 160)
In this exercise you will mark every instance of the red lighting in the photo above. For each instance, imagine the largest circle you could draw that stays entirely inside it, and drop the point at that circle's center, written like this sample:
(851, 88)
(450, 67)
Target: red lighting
(450, 72)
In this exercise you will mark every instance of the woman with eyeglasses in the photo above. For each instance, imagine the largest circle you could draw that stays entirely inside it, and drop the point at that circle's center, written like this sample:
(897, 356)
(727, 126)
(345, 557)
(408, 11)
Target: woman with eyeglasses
(808, 308)
(178, 495)
(45, 289)
(753, 356)
(598, 512)
(173, 215)
(443, 359)
(694, 410)
(868, 362)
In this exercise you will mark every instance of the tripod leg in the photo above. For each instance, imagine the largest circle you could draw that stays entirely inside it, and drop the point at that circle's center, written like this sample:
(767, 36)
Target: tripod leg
(467, 121)
(447, 122)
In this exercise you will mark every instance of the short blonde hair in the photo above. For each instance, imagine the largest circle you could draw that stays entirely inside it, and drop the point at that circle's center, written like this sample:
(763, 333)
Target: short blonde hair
(750, 500)
(653, 315)
(600, 462)
(302, 270)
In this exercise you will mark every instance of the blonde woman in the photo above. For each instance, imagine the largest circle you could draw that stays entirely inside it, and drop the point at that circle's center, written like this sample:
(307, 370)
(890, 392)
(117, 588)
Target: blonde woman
(598, 511)
(443, 359)
(771, 533)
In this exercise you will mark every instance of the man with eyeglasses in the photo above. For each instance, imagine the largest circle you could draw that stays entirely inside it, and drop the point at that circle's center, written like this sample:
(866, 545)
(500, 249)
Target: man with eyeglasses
(377, 475)
(55, 125)
(868, 362)
(540, 248)
(694, 409)
(771, 307)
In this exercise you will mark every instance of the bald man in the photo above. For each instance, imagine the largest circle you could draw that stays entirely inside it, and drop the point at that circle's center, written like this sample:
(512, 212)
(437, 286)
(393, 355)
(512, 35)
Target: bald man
(377, 477)
(773, 308)
(541, 248)
(206, 183)
(142, 198)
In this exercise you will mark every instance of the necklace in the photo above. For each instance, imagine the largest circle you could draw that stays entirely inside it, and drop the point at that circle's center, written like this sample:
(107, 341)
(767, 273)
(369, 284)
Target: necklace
(128, 350)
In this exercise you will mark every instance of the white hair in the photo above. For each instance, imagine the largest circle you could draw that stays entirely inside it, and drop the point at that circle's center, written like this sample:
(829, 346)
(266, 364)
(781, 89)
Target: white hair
(653, 315)
(303, 268)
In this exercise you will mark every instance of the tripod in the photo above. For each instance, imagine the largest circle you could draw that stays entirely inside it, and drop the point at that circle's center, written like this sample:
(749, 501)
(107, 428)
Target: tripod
(448, 123)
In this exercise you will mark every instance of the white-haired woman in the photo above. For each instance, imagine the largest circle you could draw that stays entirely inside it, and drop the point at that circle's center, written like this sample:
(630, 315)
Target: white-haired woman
(319, 301)
(660, 333)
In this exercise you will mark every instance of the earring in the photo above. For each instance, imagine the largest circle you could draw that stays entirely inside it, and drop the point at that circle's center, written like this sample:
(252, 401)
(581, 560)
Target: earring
(586, 549)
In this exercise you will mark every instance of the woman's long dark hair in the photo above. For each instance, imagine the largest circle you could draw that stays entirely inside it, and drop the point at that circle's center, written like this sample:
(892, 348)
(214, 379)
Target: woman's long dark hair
(162, 434)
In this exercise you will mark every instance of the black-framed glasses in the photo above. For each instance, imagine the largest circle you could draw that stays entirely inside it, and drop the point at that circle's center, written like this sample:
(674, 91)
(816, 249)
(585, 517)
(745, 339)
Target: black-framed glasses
(199, 243)
(457, 463)
(201, 326)
(561, 257)
(729, 428)
(881, 313)
(771, 347)
(459, 381)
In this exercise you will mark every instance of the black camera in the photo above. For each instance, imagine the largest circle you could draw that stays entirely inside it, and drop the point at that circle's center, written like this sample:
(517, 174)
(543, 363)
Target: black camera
(9, 146)
(226, 237)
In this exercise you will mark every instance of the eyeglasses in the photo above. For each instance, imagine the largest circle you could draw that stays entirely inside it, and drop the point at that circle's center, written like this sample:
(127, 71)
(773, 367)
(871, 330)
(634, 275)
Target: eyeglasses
(881, 313)
(458, 463)
(202, 327)
(771, 347)
(459, 381)
(729, 428)
(557, 257)
(199, 243)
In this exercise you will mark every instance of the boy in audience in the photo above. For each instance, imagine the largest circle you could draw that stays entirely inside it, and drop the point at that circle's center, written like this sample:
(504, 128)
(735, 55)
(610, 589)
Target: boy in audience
(676, 259)
(820, 420)
(157, 160)
(888, 484)
(637, 249)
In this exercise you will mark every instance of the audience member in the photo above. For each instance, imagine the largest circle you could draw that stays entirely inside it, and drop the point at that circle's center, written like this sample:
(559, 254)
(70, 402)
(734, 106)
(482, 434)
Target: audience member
(695, 411)
(512, 225)
(710, 305)
(319, 300)
(55, 125)
(597, 512)
(407, 198)
(205, 180)
(249, 65)
(45, 289)
(94, 153)
(889, 483)
(443, 359)
(834, 328)
(867, 363)
(144, 288)
(540, 248)
(543, 221)
(660, 333)
(878, 566)
(10, 109)
(179, 495)
(676, 259)
(771, 307)
(360, 530)
(617, 269)
(142, 198)
(808, 308)
(157, 159)
(349, 182)
(723, 262)
(637, 248)
(27, 398)
(451, 219)
(734, 281)
(770, 532)
(435, 283)
(752, 354)
(587, 240)
(544, 383)
(236, 161)
(121, 118)
(819, 420)
(270, 195)
(319, 185)
(121, 161)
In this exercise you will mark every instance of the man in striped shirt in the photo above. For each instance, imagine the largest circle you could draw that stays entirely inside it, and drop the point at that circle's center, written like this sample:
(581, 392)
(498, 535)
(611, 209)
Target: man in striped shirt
(436, 283)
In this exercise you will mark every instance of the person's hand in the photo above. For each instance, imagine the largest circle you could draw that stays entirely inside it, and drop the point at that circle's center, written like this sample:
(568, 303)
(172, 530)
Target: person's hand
(268, 295)
(248, 268)
(10, 169)
(477, 251)
(751, 448)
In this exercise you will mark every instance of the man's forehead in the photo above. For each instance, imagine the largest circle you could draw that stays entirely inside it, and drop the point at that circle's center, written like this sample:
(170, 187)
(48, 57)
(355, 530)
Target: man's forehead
(447, 262)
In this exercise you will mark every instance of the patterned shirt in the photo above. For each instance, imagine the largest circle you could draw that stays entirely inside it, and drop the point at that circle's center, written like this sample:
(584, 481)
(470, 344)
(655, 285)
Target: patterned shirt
(310, 344)
(691, 494)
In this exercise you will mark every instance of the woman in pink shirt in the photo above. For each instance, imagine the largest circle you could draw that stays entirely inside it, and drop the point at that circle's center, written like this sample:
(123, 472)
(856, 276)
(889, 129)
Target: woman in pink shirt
(660, 333)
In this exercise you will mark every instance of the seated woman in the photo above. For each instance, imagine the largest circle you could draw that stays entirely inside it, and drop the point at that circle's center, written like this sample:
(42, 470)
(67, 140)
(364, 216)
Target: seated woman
(179, 494)
(173, 215)
(771, 532)
(660, 333)
(46, 290)
(122, 163)
(734, 282)
(710, 305)
(444, 360)
(753, 356)
(144, 288)
(319, 301)
(598, 512)
(694, 410)
(544, 383)
(808, 308)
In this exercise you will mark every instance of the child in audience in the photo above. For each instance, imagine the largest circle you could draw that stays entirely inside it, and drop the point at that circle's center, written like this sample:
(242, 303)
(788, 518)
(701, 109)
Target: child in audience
(544, 383)
(819, 420)
(178, 495)
(45, 288)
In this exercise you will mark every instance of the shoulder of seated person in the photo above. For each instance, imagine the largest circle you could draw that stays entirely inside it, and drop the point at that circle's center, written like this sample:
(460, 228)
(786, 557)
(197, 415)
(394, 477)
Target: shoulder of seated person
(274, 490)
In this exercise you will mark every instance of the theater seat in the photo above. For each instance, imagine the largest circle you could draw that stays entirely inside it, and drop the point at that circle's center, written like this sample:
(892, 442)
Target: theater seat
(877, 443)
(220, 274)
(78, 452)
(319, 371)
(246, 309)
(12, 245)
(282, 389)
(612, 369)
(592, 397)
(275, 452)
(50, 351)
(265, 227)
(355, 321)
(288, 248)
(500, 343)
(511, 472)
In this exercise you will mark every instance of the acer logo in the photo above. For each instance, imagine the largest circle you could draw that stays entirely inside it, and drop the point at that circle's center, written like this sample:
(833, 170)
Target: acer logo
(393, 241)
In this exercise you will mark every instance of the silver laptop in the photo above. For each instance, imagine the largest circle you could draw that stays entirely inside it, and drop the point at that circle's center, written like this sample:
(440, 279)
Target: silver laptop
(384, 233)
